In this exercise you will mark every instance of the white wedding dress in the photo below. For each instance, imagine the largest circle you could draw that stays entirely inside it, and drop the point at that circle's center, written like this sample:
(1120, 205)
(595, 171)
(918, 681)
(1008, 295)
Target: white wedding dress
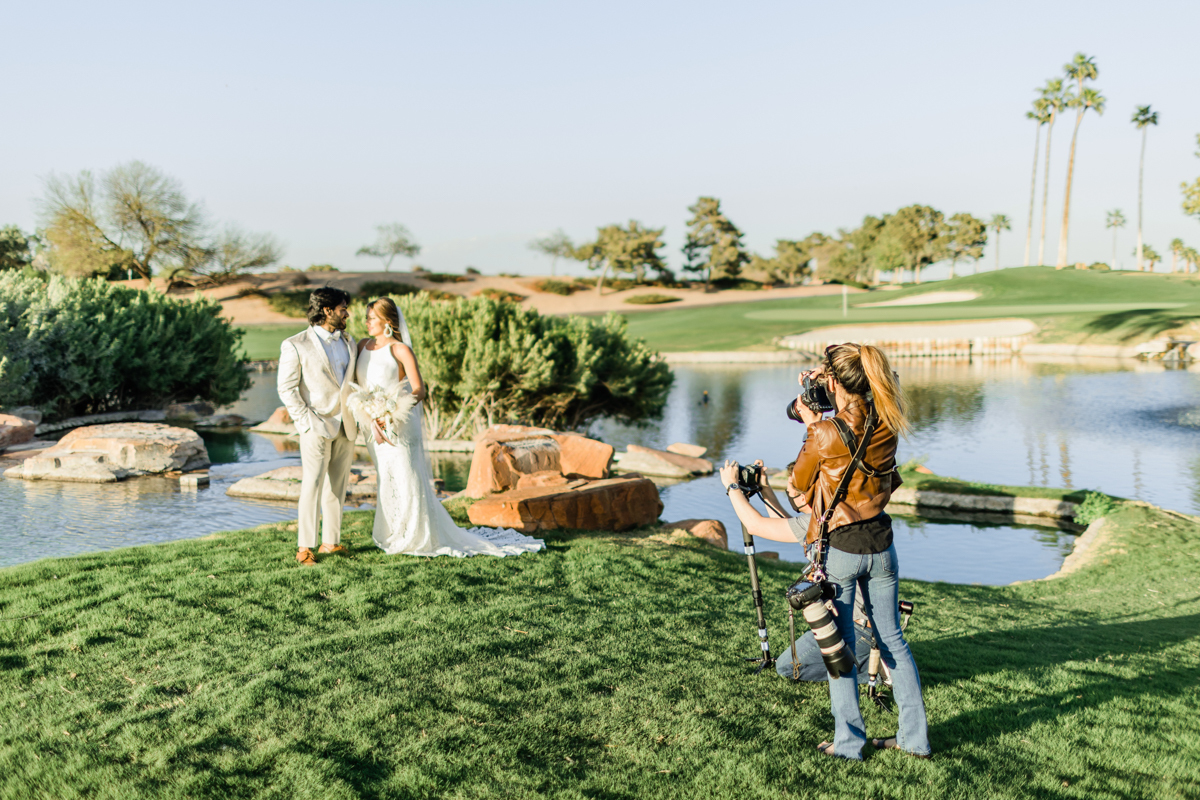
(409, 518)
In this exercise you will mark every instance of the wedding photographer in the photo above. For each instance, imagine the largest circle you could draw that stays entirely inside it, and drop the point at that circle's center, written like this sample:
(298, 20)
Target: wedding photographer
(842, 480)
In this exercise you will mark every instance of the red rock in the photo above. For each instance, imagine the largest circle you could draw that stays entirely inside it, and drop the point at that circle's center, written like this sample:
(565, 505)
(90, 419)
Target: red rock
(15, 430)
(710, 530)
(189, 411)
(504, 453)
(280, 416)
(615, 504)
(579, 455)
(548, 478)
(696, 466)
(497, 466)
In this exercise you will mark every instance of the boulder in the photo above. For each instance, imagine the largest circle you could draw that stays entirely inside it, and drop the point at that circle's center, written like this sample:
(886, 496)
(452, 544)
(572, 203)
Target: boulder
(647, 464)
(693, 450)
(1193, 351)
(697, 466)
(649, 461)
(15, 430)
(284, 484)
(188, 411)
(579, 455)
(613, 504)
(710, 530)
(26, 412)
(107, 453)
(279, 422)
(505, 453)
(548, 478)
(220, 421)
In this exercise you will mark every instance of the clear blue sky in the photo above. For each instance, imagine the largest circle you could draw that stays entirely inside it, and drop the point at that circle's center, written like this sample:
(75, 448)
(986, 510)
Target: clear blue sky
(483, 125)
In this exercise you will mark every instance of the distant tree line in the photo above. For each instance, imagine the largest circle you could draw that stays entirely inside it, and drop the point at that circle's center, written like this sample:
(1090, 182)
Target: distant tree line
(714, 252)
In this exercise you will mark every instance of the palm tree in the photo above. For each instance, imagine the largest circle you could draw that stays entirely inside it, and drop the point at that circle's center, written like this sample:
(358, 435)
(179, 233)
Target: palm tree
(1143, 118)
(1082, 68)
(1115, 220)
(1041, 115)
(1056, 99)
(1177, 249)
(1192, 257)
(999, 222)
(1150, 256)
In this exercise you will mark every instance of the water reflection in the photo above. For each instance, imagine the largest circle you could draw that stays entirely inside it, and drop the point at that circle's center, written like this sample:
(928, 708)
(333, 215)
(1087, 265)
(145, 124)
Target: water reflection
(1127, 428)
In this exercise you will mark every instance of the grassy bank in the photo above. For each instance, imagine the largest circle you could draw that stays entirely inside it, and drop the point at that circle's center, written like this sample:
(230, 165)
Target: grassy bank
(605, 667)
(1075, 306)
(261, 342)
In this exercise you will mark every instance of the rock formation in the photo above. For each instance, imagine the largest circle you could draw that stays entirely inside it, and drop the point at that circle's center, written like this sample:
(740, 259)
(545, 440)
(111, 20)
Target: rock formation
(107, 453)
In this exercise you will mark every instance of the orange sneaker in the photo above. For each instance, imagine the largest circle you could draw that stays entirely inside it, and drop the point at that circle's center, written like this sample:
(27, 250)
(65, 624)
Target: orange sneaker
(306, 558)
(333, 549)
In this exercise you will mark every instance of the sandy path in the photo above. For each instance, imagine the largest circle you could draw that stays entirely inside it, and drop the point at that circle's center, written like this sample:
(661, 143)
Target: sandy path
(251, 310)
(927, 299)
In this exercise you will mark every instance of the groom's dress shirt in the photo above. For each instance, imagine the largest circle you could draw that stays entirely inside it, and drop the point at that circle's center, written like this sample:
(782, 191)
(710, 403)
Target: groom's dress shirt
(336, 350)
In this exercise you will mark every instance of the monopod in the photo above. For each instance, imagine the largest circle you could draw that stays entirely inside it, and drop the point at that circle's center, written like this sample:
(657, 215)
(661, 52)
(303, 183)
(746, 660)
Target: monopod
(766, 660)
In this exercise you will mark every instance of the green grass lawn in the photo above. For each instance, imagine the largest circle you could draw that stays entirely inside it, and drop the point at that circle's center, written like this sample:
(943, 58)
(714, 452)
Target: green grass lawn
(607, 667)
(1069, 305)
(261, 342)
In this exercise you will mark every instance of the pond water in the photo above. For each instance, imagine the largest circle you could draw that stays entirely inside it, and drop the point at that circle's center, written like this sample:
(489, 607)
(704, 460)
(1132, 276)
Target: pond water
(1128, 429)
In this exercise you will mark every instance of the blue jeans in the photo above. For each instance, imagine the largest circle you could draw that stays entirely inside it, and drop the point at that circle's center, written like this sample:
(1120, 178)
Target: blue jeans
(877, 574)
(808, 655)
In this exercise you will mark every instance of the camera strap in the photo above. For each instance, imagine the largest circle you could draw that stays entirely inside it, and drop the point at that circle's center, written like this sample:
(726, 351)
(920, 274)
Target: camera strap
(856, 463)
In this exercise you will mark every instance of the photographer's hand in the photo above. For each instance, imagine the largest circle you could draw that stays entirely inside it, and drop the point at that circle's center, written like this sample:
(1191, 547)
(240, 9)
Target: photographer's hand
(768, 494)
(729, 473)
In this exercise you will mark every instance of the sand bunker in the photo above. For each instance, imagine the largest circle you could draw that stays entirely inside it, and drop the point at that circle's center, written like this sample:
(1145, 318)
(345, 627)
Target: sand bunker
(917, 331)
(927, 299)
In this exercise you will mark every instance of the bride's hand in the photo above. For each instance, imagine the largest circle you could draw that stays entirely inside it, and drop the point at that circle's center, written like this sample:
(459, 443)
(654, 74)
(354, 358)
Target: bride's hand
(378, 431)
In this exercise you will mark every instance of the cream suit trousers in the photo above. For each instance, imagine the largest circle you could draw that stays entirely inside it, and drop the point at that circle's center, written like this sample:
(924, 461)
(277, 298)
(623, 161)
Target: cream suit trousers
(326, 469)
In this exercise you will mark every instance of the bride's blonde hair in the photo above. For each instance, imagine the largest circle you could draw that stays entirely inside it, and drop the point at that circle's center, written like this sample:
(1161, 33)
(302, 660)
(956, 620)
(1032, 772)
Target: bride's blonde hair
(385, 309)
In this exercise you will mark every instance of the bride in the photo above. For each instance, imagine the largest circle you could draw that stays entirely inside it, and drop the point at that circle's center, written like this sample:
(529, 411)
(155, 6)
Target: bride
(409, 518)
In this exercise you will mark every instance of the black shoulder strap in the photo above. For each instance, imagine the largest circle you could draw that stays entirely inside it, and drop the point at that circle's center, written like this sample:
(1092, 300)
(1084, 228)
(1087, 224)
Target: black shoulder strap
(852, 445)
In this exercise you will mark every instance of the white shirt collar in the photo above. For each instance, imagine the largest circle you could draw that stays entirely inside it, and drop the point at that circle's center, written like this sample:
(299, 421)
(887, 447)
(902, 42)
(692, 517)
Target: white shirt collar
(325, 335)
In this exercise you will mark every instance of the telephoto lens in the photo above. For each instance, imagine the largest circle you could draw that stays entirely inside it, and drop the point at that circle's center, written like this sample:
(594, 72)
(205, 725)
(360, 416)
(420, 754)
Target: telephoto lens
(809, 599)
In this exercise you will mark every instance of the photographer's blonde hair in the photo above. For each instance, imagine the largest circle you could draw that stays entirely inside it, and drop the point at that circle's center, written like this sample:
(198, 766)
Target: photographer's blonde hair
(861, 368)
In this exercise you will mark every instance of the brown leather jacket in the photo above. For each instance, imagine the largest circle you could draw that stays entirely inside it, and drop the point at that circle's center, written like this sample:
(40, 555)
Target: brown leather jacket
(824, 459)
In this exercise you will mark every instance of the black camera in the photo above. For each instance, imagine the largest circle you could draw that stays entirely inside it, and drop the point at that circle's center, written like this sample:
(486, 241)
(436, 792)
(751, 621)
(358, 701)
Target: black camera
(815, 394)
(748, 479)
(814, 601)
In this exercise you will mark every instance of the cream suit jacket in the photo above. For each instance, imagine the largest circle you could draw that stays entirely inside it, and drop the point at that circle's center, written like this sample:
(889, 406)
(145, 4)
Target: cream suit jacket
(312, 394)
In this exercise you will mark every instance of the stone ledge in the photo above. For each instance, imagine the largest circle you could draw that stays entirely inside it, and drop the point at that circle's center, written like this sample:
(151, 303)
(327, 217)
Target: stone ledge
(1030, 506)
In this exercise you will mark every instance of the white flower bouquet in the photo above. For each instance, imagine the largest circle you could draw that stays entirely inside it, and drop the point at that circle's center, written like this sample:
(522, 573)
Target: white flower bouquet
(374, 403)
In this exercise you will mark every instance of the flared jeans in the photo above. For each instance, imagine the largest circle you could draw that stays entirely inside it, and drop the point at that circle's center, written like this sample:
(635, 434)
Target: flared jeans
(877, 574)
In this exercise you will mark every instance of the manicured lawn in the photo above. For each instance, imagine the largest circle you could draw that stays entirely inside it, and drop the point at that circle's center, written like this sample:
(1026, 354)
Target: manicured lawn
(1070, 305)
(261, 342)
(607, 667)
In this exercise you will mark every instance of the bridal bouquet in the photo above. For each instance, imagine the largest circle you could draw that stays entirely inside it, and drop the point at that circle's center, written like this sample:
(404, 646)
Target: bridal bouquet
(392, 407)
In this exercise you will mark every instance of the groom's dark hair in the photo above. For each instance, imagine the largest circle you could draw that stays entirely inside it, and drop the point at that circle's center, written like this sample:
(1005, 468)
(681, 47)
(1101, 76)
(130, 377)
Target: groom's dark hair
(323, 298)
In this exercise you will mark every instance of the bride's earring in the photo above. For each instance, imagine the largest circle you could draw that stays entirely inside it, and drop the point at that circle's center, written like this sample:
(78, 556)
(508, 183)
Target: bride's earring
(387, 330)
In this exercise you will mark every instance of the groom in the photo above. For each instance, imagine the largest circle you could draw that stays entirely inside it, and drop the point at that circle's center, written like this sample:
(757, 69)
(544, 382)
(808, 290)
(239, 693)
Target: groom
(316, 367)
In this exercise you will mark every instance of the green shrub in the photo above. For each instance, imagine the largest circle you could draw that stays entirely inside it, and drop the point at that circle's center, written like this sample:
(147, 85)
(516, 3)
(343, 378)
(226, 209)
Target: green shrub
(488, 362)
(552, 286)
(744, 284)
(1100, 266)
(1094, 506)
(509, 275)
(322, 268)
(499, 295)
(652, 299)
(473, 271)
(373, 289)
(71, 346)
(444, 277)
(292, 304)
